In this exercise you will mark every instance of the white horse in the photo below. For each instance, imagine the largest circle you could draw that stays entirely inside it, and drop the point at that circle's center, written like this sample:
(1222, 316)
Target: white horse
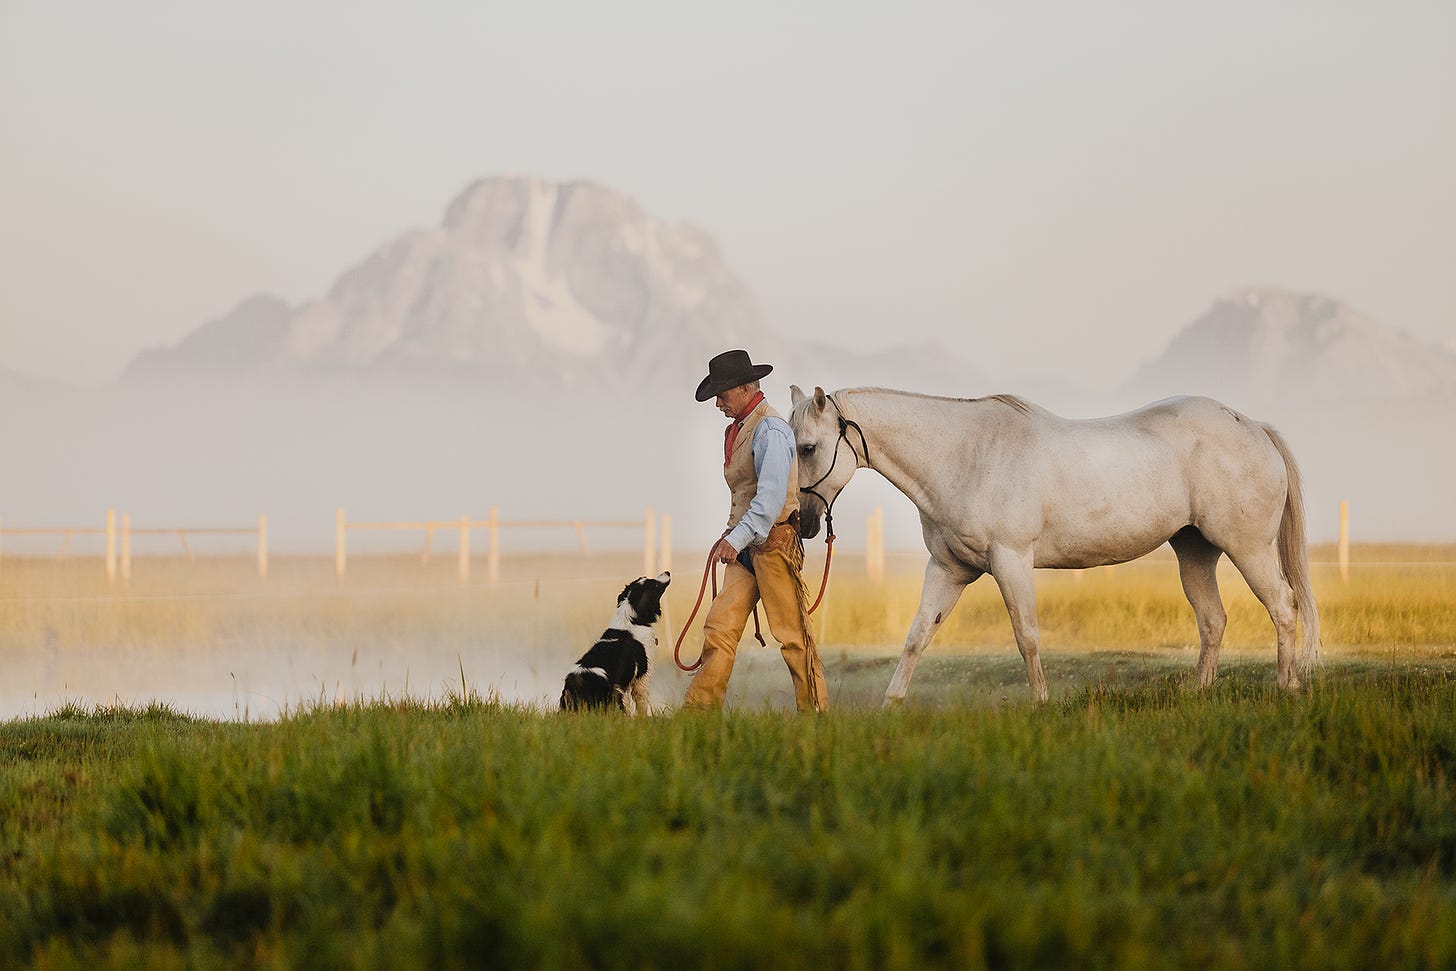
(1004, 486)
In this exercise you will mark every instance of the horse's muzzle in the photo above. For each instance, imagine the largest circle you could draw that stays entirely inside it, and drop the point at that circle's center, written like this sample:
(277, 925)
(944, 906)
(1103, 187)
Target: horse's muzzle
(808, 523)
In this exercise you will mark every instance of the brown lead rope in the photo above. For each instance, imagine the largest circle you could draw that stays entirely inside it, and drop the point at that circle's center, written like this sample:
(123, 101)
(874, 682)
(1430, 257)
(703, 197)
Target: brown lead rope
(845, 424)
(710, 569)
(828, 558)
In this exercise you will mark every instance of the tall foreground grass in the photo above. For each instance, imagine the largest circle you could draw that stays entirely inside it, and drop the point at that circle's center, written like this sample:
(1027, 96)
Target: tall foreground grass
(1147, 827)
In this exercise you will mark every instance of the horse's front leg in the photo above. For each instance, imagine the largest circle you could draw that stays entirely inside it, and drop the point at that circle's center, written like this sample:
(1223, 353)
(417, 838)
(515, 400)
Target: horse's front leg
(938, 595)
(1013, 572)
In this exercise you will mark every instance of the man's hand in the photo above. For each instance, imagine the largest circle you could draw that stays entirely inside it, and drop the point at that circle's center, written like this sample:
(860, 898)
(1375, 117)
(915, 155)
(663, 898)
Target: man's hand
(725, 552)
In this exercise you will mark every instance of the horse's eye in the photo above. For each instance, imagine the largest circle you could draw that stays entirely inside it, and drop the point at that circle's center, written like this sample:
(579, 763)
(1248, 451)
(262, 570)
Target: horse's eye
(807, 450)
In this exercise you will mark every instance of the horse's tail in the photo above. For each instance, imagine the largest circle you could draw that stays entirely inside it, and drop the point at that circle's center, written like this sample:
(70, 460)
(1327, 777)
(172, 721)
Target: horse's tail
(1294, 552)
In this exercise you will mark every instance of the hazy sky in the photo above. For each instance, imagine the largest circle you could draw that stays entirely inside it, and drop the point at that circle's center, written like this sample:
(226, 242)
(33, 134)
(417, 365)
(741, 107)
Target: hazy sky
(1049, 188)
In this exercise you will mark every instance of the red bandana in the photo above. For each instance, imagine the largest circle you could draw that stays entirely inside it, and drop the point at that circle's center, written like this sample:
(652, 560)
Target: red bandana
(730, 434)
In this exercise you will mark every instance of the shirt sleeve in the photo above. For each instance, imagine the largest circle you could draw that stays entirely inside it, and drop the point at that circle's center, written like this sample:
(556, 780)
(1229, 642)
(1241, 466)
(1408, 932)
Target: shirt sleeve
(773, 456)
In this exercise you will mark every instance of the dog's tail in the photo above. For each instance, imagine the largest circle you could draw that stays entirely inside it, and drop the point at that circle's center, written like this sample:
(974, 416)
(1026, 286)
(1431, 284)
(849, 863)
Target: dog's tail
(585, 690)
(572, 695)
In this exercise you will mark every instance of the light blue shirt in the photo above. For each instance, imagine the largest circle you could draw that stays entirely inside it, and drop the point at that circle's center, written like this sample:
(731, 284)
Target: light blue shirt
(773, 456)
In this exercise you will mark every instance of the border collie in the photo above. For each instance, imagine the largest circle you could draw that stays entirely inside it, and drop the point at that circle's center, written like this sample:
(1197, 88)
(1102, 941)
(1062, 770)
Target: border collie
(618, 668)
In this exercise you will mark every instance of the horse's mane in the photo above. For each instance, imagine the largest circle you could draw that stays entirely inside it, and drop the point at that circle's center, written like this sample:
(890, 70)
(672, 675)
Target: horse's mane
(1015, 402)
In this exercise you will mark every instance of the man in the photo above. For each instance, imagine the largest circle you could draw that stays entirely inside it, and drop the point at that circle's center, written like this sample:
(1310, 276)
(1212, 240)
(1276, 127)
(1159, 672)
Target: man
(762, 547)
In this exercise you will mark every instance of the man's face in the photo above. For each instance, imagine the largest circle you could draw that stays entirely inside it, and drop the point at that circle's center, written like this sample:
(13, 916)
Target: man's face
(731, 402)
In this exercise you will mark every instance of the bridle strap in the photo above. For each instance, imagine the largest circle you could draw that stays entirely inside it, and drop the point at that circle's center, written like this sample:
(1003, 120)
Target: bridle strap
(845, 424)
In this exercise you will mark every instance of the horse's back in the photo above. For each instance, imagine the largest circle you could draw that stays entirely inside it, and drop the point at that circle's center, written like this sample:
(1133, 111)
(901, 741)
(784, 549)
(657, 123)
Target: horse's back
(1122, 485)
(1235, 477)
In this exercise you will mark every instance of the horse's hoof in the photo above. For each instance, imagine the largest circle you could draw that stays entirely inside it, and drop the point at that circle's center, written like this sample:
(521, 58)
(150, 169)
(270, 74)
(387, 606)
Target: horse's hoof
(893, 703)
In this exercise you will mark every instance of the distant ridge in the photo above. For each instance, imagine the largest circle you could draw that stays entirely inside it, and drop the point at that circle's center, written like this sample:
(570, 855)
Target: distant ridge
(530, 285)
(539, 348)
(522, 276)
(1266, 345)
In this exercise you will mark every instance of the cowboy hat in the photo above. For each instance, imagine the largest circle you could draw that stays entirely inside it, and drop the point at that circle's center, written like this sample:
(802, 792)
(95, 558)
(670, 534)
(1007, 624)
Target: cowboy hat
(729, 370)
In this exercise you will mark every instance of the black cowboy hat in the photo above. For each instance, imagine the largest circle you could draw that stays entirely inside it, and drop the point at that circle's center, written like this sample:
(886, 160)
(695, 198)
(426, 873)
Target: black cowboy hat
(729, 370)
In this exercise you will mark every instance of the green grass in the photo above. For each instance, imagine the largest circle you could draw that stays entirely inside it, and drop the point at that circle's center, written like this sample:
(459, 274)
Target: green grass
(1130, 823)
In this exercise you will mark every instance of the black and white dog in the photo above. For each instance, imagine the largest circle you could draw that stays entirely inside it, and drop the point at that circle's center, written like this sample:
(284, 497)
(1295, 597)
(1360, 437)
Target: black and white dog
(618, 668)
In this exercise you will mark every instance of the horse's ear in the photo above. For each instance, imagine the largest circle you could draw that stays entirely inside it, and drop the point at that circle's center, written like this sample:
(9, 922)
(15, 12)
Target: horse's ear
(819, 398)
(795, 395)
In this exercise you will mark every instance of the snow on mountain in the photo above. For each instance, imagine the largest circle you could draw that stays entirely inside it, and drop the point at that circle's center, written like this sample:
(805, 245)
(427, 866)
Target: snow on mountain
(1266, 345)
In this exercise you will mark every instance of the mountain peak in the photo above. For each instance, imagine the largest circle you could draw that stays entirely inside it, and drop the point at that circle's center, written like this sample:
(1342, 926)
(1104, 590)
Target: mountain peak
(1261, 344)
(523, 275)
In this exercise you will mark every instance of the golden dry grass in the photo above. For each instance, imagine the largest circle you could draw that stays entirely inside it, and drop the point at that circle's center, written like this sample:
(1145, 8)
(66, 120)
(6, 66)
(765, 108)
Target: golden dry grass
(1398, 598)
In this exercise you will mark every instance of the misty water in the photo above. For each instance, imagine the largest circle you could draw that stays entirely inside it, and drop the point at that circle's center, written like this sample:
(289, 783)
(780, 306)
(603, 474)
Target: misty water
(208, 637)
(253, 682)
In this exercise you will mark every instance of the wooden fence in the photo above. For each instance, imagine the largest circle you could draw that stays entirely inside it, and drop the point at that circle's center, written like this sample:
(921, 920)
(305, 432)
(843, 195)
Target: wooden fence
(119, 532)
(493, 525)
(656, 539)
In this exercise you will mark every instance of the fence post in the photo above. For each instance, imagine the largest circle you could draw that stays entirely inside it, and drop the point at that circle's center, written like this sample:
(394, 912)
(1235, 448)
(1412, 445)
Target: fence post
(492, 569)
(340, 550)
(464, 549)
(1344, 541)
(111, 545)
(649, 540)
(262, 546)
(126, 547)
(665, 560)
(875, 546)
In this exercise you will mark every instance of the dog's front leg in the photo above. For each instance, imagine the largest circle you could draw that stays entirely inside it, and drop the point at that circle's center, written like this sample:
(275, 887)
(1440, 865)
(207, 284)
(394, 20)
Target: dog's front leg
(639, 697)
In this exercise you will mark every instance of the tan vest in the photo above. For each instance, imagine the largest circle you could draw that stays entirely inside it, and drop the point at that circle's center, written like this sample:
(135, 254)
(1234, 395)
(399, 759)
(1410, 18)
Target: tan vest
(741, 478)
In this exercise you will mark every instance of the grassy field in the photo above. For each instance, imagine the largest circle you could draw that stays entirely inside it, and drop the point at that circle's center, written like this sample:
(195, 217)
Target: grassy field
(1131, 822)
(1144, 826)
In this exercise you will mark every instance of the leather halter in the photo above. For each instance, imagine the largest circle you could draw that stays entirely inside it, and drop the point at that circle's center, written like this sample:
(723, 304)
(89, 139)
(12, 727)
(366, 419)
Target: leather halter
(845, 424)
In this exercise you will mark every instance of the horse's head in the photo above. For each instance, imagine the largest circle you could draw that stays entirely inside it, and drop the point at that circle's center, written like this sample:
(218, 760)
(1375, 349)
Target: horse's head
(820, 433)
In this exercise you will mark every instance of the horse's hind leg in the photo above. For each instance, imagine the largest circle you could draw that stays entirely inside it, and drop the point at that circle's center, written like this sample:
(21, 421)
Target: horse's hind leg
(1013, 573)
(1265, 577)
(1198, 569)
(938, 595)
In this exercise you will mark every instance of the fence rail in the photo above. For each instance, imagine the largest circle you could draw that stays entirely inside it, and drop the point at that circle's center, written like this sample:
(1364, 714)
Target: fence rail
(119, 532)
(656, 539)
(493, 525)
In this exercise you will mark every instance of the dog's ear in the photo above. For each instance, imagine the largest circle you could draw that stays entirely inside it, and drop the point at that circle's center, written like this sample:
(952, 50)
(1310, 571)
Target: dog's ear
(625, 592)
